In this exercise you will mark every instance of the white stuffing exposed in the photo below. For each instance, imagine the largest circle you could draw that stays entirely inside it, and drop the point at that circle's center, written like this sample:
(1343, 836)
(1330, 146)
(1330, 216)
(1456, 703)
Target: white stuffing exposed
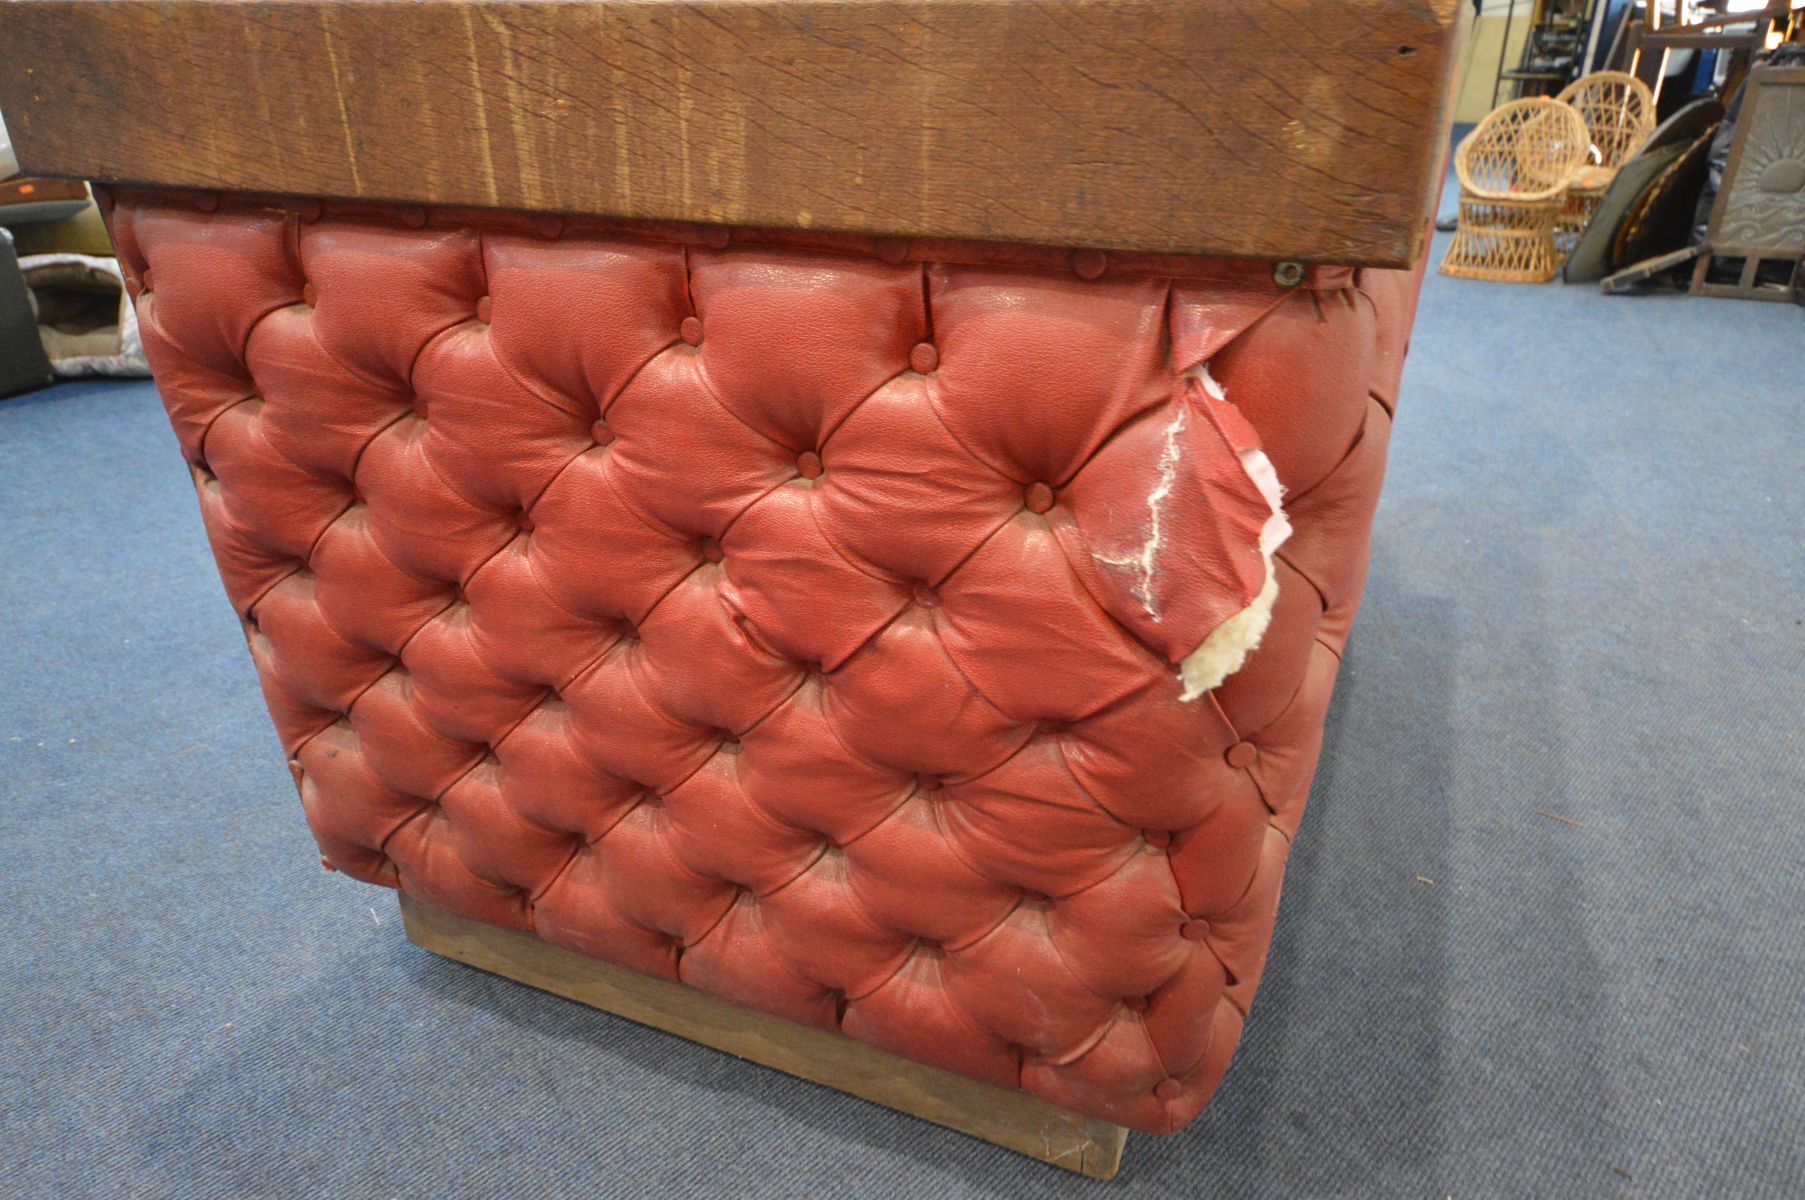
(1226, 649)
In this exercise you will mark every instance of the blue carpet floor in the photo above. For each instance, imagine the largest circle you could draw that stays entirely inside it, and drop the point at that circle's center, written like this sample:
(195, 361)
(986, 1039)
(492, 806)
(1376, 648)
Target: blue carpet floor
(1543, 932)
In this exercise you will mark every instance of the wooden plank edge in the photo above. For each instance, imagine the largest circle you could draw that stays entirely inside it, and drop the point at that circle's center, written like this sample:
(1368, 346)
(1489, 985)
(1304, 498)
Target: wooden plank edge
(232, 96)
(1443, 123)
(1014, 1120)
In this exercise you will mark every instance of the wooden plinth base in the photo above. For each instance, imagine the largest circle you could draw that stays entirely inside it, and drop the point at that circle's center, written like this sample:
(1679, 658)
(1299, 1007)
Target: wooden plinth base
(1016, 1120)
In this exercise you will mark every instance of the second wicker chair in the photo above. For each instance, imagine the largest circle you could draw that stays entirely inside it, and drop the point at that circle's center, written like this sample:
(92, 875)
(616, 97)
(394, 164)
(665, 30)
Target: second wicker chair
(1619, 112)
(1514, 169)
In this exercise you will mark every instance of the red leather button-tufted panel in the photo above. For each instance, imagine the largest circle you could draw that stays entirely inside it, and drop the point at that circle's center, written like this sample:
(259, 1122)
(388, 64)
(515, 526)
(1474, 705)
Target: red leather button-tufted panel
(795, 617)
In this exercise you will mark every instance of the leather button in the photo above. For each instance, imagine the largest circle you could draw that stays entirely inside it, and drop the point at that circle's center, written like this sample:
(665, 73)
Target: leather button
(310, 295)
(808, 465)
(1157, 838)
(1038, 498)
(928, 783)
(418, 403)
(1168, 1089)
(1194, 930)
(601, 433)
(1135, 1003)
(892, 250)
(310, 210)
(144, 279)
(924, 358)
(414, 218)
(1242, 755)
(326, 864)
(711, 550)
(483, 309)
(524, 519)
(548, 226)
(926, 596)
(691, 331)
(716, 237)
(1089, 264)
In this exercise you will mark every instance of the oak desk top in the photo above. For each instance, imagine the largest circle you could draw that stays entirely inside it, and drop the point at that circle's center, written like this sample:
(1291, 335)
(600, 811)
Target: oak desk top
(1288, 129)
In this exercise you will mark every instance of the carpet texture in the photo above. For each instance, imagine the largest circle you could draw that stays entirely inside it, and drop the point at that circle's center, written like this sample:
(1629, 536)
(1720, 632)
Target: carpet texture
(1543, 931)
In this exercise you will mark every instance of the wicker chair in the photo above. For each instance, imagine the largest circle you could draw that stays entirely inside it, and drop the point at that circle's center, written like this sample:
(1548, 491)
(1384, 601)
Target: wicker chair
(1515, 168)
(1619, 112)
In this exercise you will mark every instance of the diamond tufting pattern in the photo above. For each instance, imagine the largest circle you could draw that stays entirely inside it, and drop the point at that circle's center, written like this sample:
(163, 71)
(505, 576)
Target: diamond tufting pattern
(781, 614)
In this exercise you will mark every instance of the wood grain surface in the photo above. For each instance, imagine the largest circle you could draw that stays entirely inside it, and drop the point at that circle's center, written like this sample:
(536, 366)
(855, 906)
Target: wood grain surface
(1021, 1122)
(1293, 129)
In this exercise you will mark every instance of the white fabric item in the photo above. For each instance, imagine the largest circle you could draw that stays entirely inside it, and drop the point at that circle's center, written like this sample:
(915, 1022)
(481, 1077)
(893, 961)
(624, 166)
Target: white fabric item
(128, 359)
(9, 163)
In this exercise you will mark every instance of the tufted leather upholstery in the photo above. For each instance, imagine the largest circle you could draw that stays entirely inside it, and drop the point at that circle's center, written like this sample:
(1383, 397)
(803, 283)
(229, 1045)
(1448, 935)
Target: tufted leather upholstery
(739, 606)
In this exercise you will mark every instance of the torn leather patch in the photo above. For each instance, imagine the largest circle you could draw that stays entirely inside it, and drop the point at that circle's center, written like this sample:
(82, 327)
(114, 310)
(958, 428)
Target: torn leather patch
(1172, 524)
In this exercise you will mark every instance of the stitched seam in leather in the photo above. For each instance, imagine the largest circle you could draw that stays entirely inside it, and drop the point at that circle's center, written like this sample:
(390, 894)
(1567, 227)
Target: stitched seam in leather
(908, 794)
(569, 859)
(551, 597)
(774, 958)
(1254, 779)
(983, 934)
(602, 406)
(1322, 599)
(554, 398)
(476, 503)
(1086, 792)
(388, 387)
(902, 605)
(873, 571)
(527, 505)
(658, 525)
(627, 673)
(927, 303)
(1296, 502)
(821, 852)
(314, 545)
(928, 251)
(382, 847)
(660, 530)
(200, 443)
(713, 394)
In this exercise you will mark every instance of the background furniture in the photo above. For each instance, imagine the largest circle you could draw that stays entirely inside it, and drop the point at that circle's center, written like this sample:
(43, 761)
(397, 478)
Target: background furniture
(1757, 224)
(765, 541)
(1619, 112)
(1736, 35)
(1554, 46)
(23, 365)
(1514, 169)
(1595, 254)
